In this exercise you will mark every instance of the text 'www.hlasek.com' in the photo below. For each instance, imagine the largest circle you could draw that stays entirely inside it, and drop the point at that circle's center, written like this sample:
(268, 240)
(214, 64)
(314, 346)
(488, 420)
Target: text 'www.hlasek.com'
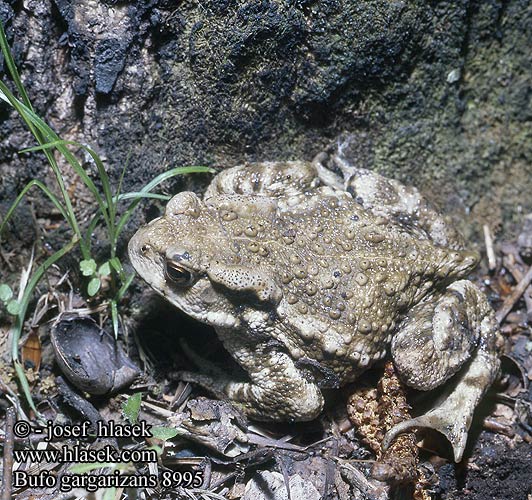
(104, 455)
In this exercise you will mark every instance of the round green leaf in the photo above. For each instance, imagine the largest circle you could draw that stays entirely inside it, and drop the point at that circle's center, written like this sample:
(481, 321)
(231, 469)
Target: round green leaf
(93, 286)
(5, 292)
(163, 433)
(104, 269)
(131, 407)
(87, 267)
(13, 307)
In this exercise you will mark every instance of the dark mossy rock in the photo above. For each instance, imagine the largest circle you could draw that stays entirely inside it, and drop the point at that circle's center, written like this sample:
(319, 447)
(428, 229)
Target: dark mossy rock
(436, 93)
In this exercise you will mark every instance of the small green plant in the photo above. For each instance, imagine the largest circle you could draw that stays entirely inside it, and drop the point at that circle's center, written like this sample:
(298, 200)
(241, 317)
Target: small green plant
(107, 212)
(131, 411)
(131, 407)
(6, 296)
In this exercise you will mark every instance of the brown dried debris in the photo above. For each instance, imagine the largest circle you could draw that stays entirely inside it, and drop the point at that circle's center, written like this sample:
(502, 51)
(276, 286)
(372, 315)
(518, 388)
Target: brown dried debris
(513, 262)
(374, 412)
(215, 424)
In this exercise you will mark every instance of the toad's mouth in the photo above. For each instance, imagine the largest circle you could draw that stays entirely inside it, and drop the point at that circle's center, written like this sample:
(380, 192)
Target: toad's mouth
(202, 302)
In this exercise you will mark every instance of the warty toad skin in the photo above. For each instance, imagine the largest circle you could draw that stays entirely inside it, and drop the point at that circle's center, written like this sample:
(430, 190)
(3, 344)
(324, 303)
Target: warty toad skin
(311, 275)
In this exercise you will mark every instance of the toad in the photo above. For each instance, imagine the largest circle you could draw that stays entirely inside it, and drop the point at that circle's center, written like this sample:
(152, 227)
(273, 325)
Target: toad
(310, 273)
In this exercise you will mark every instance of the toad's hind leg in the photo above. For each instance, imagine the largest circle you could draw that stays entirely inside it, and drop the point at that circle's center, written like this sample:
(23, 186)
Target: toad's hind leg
(455, 334)
(388, 198)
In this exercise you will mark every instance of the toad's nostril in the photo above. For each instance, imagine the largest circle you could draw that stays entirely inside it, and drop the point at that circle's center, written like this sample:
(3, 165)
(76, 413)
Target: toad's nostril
(144, 248)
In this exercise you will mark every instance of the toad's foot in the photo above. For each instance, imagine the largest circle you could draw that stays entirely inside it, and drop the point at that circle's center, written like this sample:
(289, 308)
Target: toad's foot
(452, 417)
(457, 333)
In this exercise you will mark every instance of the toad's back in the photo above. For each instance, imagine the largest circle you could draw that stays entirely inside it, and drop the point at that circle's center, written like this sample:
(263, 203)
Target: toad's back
(346, 274)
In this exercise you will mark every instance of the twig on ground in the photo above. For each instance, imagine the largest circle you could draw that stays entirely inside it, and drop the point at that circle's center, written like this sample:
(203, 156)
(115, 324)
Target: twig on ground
(207, 474)
(9, 445)
(510, 301)
(514, 265)
(368, 488)
(330, 469)
(286, 476)
(497, 427)
(492, 262)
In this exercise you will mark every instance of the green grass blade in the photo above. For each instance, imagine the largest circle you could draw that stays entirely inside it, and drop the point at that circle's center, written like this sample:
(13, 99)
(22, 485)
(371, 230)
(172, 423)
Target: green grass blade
(90, 229)
(48, 145)
(74, 163)
(173, 172)
(21, 375)
(133, 195)
(46, 191)
(106, 184)
(122, 174)
(153, 184)
(31, 120)
(110, 206)
(11, 66)
(114, 317)
(126, 196)
(76, 166)
(124, 287)
(16, 331)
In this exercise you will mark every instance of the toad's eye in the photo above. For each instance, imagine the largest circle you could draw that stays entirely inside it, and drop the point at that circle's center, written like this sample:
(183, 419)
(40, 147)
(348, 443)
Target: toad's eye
(178, 274)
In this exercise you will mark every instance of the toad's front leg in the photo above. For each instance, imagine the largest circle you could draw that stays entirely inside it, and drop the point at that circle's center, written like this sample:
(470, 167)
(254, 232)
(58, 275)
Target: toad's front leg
(454, 334)
(277, 390)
